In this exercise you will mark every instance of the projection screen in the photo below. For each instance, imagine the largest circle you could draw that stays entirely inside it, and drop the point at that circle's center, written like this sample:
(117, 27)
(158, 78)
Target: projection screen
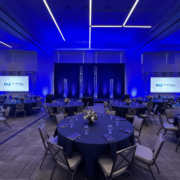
(14, 83)
(165, 85)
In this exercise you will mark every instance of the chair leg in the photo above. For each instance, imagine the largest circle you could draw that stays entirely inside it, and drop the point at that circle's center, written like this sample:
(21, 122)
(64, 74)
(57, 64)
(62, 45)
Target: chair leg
(165, 131)
(154, 119)
(45, 154)
(53, 171)
(159, 130)
(139, 141)
(129, 172)
(151, 173)
(146, 122)
(7, 125)
(177, 144)
(157, 168)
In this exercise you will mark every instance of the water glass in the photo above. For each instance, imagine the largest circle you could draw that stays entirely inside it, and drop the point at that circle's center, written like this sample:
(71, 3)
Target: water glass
(110, 128)
(76, 117)
(111, 117)
(117, 121)
(86, 129)
(71, 123)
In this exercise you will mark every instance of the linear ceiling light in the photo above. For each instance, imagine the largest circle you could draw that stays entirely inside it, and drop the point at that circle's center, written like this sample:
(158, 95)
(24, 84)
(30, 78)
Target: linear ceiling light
(138, 26)
(105, 26)
(90, 19)
(130, 12)
(5, 44)
(53, 18)
(89, 37)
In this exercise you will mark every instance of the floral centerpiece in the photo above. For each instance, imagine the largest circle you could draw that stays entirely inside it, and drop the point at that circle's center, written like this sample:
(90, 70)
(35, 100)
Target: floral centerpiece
(128, 101)
(67, 100)
(91, 116)
(149, 97)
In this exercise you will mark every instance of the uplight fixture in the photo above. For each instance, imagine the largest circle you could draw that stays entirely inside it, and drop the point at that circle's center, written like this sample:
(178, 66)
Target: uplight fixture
(5, 44)
(47, 6)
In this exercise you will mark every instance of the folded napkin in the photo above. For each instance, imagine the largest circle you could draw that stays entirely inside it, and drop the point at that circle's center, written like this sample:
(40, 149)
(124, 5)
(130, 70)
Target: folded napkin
(74, 136)
(108, 137)
(63, 125)
(125, 130)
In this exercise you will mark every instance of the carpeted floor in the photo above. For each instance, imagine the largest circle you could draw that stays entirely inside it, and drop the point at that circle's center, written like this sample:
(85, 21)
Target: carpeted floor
(21, 152)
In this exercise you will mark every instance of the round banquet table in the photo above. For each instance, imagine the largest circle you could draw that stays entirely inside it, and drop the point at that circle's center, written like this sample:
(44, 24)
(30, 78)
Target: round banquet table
(155, 101)
(70, 109)
(28, 104)
(121, 108)
(92, 145)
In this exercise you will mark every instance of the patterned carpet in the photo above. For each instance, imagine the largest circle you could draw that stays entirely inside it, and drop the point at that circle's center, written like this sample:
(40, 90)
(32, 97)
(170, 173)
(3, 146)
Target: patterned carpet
(21, 152)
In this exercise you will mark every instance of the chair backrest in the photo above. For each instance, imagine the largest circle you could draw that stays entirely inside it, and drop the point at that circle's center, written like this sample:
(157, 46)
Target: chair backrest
(111, 112)
(58, 154)
(110, 101)
(44, 134)
(160, 118)
(149, 111)
(20, 106)
(137, 123)
(110, 107)
(155, 108)
(38, 104)
(145, 104)
(169, 113)
(132, 111)
(87, 105)
(149, 104)
(61, 110)
(80, 109)
(106, 104)
(158, 145)
(44, 106)
(50, 109)
(7, 111)
(124, 158)
(165, 104)
(59, 117)
(79, 100)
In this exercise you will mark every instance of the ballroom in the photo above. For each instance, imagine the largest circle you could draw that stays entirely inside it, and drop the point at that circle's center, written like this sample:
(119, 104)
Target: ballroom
(89, 89)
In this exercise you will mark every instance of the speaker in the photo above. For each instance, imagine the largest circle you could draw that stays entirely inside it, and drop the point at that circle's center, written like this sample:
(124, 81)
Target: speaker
(49, 98)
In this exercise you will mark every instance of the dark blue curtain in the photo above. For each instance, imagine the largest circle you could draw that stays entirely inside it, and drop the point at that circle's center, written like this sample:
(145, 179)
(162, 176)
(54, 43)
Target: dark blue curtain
(105, 72)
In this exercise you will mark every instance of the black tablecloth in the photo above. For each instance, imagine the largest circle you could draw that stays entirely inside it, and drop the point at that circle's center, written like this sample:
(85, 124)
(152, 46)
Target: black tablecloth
(70, 109)
(159, 103)
(28, 104)
(121, 108)
(92, 145)
(88, 99)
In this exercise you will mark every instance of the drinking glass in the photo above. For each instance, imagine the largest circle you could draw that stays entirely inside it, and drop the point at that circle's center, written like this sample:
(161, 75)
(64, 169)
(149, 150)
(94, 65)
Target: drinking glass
(71, 123)
(86, 129)
(76, 117)
(111, 117)
(117, 121)
(110, 128)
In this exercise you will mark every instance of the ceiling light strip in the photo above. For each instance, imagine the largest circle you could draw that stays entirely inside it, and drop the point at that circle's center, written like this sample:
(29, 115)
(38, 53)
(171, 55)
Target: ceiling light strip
(89, 37)
(5, 44)
(90, 12)
(138, 26)
(53, 18)
(130, 12)
(105, 26)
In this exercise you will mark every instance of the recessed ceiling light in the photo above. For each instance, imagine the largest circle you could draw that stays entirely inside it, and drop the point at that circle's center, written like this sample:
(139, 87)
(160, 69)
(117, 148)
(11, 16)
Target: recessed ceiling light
(130, 12)
(53, 19)
(5, 44)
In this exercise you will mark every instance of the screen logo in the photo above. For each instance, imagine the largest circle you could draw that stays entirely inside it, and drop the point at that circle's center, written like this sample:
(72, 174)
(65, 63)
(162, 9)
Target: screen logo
(7, 84)
(159, 85)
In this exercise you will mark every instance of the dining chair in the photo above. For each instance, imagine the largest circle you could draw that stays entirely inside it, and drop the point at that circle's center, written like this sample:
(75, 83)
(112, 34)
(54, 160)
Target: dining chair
(149, 104)
(178, 136)
(5, 117)
(176, 102)
(79, 110)
(60, 159)
(45, 137)
(152, 114)
(20, 108)
(147, 156)
(106, 105)
(87, 105)
(59, 117)
(110, 107)
(79, 100)
(166, 126)
(137, 124)
(45, 109)
(110, 112)
(61, 110)
(131, 113)
(51, 112)
(164, 106)
(37, 107)
(110, 101)
(120, 165)
(146, 115)
(169, 116)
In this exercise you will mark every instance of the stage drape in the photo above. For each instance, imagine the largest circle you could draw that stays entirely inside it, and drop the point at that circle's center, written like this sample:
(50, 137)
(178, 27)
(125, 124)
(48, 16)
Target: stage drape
(105, 72)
